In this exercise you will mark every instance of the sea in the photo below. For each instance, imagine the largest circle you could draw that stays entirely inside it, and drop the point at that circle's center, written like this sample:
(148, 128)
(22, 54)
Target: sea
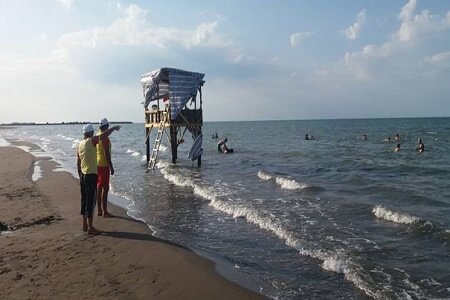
(337, 217)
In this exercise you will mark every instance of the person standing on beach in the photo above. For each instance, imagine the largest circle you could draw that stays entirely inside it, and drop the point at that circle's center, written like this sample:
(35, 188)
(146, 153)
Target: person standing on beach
(104, 170)
(87, 171)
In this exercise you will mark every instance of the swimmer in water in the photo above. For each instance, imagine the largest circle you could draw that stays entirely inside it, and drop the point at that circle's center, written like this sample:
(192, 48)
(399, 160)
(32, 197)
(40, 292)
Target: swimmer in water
(421, 147)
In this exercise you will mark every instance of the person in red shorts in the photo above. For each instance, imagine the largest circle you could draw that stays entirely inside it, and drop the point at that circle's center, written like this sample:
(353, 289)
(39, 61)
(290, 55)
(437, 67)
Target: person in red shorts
(104, 169)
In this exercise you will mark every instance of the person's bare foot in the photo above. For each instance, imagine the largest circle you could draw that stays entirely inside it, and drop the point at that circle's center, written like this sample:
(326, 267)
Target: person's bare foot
(92, 231)
(85, 228)
(100, 213)
(107, 215)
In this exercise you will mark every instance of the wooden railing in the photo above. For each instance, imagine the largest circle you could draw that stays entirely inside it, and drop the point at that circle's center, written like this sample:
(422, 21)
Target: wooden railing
(186, 117)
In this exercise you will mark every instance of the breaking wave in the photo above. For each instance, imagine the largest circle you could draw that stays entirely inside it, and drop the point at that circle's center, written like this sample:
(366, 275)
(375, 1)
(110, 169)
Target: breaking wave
(397, 217)
(284, 183)
(264, 176)
(290, 184)
(332, 260)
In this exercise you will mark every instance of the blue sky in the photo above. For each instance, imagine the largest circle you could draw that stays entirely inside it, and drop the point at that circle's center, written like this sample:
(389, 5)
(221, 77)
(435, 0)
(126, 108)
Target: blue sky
(77, 60)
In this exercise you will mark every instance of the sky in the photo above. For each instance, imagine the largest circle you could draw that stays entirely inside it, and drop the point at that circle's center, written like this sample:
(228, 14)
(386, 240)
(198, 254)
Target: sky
(82, 60)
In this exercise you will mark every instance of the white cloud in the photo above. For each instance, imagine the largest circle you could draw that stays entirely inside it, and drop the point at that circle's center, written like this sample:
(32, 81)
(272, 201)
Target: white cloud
(407, 11)
(406, 28)
(406, 50)
(354, 30)
(132, 29)
(43, 36)
(297, 37)
(438, 58)
(413, 25)
(66, 3)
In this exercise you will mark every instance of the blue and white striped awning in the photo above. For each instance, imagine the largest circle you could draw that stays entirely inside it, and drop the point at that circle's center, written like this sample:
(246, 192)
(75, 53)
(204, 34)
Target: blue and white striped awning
(179, 85)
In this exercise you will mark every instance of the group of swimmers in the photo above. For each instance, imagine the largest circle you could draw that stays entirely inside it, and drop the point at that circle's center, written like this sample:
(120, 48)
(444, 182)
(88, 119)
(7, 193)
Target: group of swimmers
(308, 138)
(222, 147)
(420, 148)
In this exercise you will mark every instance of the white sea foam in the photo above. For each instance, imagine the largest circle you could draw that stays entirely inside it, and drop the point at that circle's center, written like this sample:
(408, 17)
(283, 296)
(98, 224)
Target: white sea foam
(61, 151)
(290, 184)
(133, 152)
(4, 143)
(234, 210)
(163, 148)
(37, 171)
(25, 148)
(264, 176)
(431, 282)
(75, 143)
(337, 261)
(332, 261)
(284, 183)
(397, 217)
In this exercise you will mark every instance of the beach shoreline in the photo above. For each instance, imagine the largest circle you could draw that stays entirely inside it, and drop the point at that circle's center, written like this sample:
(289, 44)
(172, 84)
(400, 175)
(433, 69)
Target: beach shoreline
(46, 254)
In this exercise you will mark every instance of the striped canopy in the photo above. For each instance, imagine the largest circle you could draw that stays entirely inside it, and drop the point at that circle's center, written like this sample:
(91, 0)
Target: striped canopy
(178, 85)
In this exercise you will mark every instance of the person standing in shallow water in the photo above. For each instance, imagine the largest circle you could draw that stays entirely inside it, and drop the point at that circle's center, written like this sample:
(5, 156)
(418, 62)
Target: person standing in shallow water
(222, 146)
(421, 147)
(87, 171)
(104, 170)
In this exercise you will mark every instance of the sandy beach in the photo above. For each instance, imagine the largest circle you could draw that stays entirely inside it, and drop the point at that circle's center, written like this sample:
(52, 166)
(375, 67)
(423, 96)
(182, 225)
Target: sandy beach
(45, 254)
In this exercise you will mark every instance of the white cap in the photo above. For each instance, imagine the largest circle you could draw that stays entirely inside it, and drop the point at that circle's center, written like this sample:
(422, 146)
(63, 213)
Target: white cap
(88, 128)
(104, 122)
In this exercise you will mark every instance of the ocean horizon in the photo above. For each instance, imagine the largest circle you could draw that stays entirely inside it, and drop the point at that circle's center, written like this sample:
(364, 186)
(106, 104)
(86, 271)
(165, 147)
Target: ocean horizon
(32, 123)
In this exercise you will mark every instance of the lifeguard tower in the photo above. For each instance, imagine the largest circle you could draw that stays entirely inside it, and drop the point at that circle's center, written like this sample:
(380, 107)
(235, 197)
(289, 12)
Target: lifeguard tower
(176, 103)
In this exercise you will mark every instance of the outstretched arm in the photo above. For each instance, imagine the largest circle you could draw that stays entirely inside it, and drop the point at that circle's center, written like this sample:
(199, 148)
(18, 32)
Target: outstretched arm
(106, 133)
(109, 131)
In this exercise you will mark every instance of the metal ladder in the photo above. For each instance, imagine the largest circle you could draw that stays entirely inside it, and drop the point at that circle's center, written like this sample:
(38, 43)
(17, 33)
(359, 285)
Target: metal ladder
(155, 150)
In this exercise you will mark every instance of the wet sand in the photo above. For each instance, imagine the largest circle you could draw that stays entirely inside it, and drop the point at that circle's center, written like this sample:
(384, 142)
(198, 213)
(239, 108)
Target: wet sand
(46, 255)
